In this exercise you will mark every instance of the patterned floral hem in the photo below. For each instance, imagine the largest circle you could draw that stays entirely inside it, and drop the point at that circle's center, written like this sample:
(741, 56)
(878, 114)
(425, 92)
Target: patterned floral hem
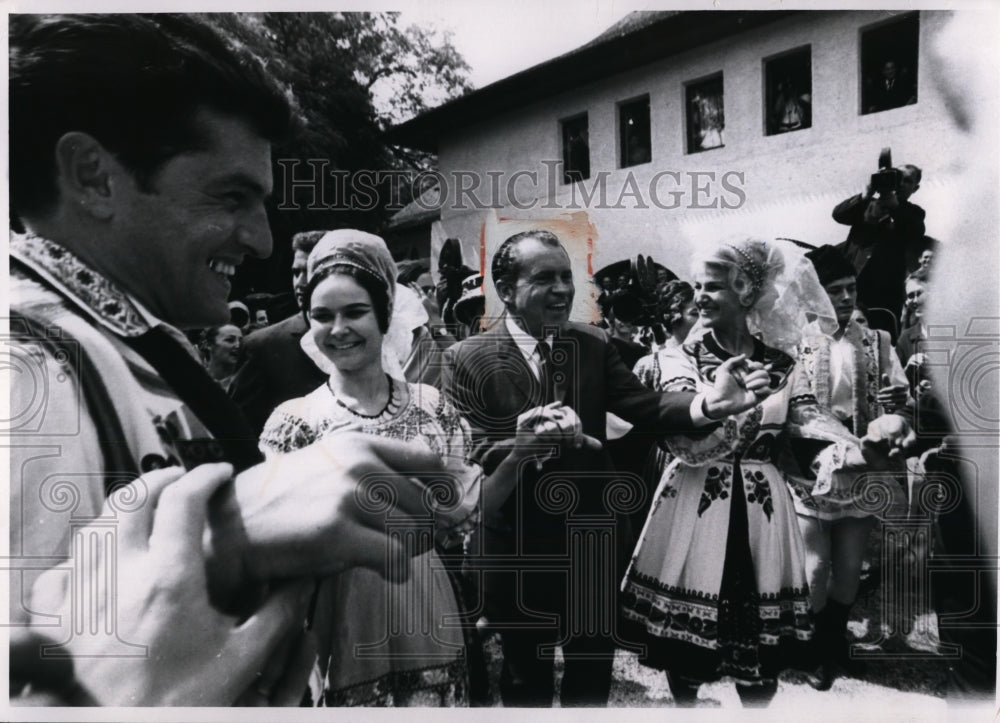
(693, 616)
(681, 630)
(742, 662)
(431, 687)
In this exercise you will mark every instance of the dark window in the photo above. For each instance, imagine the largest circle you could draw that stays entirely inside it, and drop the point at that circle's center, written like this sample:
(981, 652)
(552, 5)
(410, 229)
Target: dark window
(889, 64)
(788, 92)
(706, 120)
(633, 132)
(576, 149)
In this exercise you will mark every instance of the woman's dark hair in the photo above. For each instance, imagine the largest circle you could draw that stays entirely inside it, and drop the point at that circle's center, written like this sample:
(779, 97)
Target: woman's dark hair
(674, 296)
(135, 83)
(372, 284)
(305, 241)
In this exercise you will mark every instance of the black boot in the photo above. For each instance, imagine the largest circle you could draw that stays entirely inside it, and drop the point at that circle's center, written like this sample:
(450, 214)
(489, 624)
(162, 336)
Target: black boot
(757, 696)
(823, 676)
(840, 613)
(685, 693)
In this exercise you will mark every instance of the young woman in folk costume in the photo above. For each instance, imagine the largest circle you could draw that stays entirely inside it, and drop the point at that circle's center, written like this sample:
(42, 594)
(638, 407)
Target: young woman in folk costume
(717, 585)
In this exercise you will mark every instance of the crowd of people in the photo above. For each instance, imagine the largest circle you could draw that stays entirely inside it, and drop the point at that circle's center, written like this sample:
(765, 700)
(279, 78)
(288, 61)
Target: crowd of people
(331, 510)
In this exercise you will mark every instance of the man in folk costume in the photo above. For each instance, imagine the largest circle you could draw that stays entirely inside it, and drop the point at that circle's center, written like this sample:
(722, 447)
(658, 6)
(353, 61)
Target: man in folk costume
(856, 375)
(140, 163)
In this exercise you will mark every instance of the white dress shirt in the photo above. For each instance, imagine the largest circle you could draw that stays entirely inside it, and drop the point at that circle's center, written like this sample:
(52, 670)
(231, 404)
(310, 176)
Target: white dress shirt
(528, 346)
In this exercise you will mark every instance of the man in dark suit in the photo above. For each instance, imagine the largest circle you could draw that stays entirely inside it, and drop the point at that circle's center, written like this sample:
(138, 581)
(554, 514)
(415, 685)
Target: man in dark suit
(892, 90)
(557, 537)
(885, 243)
(276, 368)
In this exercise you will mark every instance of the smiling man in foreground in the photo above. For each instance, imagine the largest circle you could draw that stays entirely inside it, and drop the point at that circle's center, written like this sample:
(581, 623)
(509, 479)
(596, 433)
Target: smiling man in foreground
(140, 164)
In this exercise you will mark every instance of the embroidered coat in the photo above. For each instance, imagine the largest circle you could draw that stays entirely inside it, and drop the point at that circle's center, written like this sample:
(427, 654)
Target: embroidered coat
(83, 404)
(873, 358)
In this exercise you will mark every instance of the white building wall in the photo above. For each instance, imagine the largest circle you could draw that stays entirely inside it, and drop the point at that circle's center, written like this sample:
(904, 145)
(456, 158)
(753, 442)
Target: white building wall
(791, 183)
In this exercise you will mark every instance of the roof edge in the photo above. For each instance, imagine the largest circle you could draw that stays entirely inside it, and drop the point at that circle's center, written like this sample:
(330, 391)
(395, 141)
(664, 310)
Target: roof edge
(675, 33)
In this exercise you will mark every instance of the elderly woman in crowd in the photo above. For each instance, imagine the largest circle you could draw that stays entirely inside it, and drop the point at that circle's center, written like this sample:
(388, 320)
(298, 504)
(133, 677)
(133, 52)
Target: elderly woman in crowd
(717, 584)
(387, 643)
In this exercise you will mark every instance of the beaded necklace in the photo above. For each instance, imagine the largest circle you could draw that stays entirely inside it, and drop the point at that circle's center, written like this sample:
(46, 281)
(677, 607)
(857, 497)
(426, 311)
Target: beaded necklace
(388, 404)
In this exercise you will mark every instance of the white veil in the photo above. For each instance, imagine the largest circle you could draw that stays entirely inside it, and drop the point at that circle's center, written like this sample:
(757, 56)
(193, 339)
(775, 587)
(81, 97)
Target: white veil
(781, 282)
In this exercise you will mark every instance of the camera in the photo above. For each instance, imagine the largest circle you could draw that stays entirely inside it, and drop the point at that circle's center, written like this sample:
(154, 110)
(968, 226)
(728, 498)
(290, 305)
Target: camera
(887, 178)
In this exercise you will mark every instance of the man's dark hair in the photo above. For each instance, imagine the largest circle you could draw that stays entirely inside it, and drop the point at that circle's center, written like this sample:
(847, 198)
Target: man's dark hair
(913, 170)
(133, 82)
(410, 271)
(305, 241)
(506, 266)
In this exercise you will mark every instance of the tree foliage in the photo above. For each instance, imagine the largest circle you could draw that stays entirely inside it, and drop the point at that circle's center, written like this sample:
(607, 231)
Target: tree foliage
(353, 75)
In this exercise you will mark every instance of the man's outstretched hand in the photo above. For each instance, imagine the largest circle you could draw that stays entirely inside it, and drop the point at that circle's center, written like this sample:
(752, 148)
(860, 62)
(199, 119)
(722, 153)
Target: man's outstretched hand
(323, 509)
(740, 384)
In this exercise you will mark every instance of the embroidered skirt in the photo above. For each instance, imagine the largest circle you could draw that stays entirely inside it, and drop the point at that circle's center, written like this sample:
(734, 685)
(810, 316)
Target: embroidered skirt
(390, 644)
(716, 586)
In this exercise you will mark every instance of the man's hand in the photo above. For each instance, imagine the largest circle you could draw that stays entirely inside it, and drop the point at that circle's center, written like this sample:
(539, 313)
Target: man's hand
(941, 458)
(889, 200)
(196, 655)
(323, 509)
(552, 425)
(889, 441)
(892, 397)
(740, 384)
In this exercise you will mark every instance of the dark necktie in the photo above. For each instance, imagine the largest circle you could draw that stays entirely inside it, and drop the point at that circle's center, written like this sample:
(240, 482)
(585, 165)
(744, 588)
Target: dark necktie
(202, 395)
(546, 371)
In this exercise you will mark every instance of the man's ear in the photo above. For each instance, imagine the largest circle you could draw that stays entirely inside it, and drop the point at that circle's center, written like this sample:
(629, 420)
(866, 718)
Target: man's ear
(505, 291)
(85, 174)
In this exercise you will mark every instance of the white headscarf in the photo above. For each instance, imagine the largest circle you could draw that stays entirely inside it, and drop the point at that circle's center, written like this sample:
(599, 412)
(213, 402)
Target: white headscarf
(369, 254)
(782, 284)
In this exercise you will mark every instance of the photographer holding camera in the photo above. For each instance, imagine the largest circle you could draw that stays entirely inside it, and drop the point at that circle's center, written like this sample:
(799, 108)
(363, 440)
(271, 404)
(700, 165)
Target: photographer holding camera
(885, 241)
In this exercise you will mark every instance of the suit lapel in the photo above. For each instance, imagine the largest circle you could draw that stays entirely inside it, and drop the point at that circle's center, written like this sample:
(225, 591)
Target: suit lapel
(298, 328)
(564, 366)
(514, 369)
